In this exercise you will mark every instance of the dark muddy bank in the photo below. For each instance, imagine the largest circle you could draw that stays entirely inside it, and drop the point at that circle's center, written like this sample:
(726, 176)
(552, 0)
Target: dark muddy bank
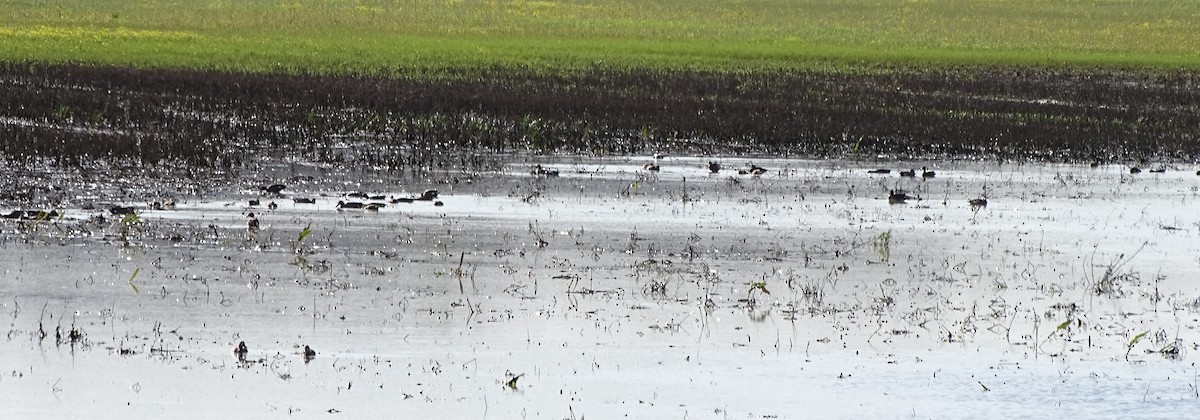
(75, 113)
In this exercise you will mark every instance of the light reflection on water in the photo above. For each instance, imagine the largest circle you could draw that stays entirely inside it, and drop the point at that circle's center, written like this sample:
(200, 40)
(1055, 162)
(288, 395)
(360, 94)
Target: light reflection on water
(613, 289)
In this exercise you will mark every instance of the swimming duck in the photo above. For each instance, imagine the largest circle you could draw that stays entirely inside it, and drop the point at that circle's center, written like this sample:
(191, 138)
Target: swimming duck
(651, 167)
(167, 204)
(240, 351)
(350, 205)
(757, 170)
(1158, 170)
(898, 197)
(428, 195)
(911, 173)
(538, 170)
(301, 200)
(255, 202)
(1135, 170)
(252, 224)
(714, 167)
(32, 215)
(880, 171)
(272, 206)
(273, 188)
(977, 203)
(120, 210)
(373, 206)
(926, 173)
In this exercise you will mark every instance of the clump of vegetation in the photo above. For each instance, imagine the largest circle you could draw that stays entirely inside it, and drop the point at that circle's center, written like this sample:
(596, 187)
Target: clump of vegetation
(883, 246)
(757, 288)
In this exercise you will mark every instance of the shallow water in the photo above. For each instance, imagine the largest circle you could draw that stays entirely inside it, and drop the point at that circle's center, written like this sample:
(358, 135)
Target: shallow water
(675, 294)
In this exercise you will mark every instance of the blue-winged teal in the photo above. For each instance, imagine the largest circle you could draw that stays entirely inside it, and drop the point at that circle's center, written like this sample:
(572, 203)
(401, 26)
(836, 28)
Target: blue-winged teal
(273, 188)
(252, 224)
(538, 170)
(32, 215)
(123, 210)
(898, 197)
(428, 195)
(240, 351)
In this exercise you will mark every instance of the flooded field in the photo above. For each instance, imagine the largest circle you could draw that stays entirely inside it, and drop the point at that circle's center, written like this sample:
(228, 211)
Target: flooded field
(596, 288)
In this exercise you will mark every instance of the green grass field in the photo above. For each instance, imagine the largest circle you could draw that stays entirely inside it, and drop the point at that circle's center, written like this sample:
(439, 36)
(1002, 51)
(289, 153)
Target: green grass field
(378, 36)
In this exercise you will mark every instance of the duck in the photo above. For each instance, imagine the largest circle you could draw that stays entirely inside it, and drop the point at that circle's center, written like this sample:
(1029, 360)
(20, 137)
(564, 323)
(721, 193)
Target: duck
(373, 206)
(977, 203)
(123, 210)
(358, 194)
(252, 224)
(1135, 170)
(714, 167)
(880, 171)
(255, 202)
(272, 206)
(1158, 170)
(303, 200)
(926, 173)
(658, 156)
(651, 167)
(898, 197)
(167, 204)
(757, 170)
(273, 188)
(308, 354)
(428, 195)
(32, 215)
(911, 173)
(538, 170)
(395, 200)
(350, 205)
(240, 351)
